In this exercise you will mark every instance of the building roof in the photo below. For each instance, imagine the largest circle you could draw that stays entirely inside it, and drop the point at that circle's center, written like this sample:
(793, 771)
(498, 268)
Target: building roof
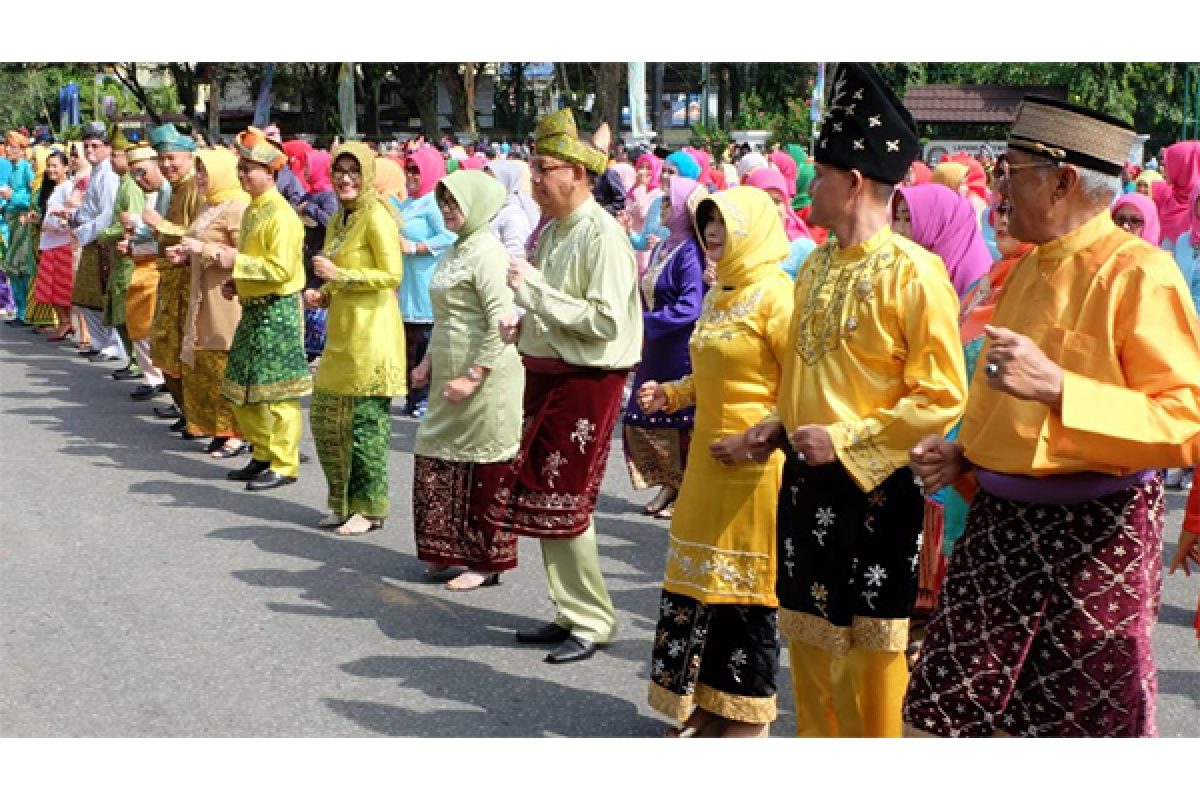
(978, 104)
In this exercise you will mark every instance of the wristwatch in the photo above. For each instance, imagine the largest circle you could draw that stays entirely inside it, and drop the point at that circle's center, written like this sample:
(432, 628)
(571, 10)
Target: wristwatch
(474, 374)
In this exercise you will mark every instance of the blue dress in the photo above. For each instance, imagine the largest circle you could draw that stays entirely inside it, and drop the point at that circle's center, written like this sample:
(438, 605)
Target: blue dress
(422, 225)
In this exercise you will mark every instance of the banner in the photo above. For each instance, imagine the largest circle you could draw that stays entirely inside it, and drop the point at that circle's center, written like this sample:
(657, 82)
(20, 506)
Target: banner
(346, 107)
(637, 100)
(262, 109)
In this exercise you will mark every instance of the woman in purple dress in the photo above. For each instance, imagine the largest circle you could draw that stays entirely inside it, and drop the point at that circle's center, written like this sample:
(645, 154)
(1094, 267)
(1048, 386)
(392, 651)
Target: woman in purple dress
(672, 293)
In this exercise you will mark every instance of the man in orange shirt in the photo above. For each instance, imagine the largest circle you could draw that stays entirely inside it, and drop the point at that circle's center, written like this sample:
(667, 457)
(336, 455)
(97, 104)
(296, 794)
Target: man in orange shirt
(1088, 385)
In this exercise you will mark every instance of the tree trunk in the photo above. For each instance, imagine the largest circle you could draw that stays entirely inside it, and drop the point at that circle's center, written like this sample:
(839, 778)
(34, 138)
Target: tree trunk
(131, 82)
(460, 85)
(608, 95)
(186, 82)
(214, 105)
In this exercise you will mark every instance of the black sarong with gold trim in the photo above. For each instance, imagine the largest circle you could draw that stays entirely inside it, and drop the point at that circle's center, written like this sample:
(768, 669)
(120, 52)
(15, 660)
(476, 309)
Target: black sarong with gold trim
(847, 575)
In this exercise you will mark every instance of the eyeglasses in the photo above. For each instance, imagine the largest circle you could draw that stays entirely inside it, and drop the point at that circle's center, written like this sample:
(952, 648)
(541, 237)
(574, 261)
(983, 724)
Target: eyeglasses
(448, 208)
(1129, 221)
(413, 171)
(542, 167)
(352, 174)
(1003, 210)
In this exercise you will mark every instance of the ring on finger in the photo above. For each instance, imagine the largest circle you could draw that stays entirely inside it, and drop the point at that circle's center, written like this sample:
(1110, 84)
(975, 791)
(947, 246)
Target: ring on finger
(992, 369)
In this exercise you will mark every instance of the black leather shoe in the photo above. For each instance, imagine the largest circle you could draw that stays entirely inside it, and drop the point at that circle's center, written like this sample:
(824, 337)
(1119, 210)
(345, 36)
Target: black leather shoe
(269, 480)
(550, 633)
(170, 412)
(126, 374)
(251, 470)
(102, 358)
(573, 649)
(144, 392)
(179, 425)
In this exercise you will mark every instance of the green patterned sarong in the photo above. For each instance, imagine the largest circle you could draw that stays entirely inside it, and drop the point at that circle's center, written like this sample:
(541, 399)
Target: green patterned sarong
(267, 363)
(353, 436)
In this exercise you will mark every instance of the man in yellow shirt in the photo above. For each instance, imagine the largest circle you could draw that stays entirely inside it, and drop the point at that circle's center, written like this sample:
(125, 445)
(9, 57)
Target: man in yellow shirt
(268, 370)
(1087, 385)
(875, 365)
(581, 333)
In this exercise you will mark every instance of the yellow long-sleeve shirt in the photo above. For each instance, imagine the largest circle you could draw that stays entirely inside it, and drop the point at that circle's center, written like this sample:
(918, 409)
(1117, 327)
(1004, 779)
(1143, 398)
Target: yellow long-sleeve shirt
(270, 258)
(876, 354)
(1115, 314)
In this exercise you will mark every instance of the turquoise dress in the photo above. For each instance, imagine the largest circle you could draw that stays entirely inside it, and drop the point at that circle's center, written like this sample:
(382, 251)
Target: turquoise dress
(422, 225)
(1187, 256)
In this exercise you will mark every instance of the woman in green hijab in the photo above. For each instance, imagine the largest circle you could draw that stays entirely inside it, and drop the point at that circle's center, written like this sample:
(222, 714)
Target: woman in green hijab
(472, 427)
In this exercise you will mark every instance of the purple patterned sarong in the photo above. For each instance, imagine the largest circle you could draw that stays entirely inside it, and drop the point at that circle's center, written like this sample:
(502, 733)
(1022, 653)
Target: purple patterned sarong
(1043, 623)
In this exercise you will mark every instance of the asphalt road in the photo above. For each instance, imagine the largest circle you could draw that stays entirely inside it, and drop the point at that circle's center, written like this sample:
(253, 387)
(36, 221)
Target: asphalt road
(142, 594)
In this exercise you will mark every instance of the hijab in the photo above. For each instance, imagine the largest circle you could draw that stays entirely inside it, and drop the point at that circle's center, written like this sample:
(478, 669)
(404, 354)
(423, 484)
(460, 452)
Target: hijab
(319, 165)
(296, 151)
(750, 162)
(627, 174)
(1152, 231)
(389, 178)
(787, 167)
(921, 174)
(432, 168)
(767, 179)
(959, 170)
(1195, 217)
(681, 223)
(509, 175)
(945, 223)
(365, 157)
(1181, 161)
(1147, 176)
(754, 238)
(479, 197)
(221, 168)
(687, 166)
(526, 182)
(652, 161)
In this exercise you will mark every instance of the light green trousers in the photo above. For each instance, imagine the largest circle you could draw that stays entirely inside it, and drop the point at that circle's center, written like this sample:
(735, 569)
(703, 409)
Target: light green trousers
(577, 587)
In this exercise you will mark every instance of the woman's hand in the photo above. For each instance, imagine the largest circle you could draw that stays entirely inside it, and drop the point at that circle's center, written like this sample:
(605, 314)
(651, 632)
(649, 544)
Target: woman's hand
(459, 389)
(937, 463)
(177, 254)
(324, 269)
(313, 299)
(652, 398)
(420, 374)
(152, 218)
(510, 328)
(731, 450)
(1187, 551)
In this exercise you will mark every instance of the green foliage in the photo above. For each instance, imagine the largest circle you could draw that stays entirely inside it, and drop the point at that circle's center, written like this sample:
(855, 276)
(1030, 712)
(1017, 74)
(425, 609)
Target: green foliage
(788, 121)
(712, 138)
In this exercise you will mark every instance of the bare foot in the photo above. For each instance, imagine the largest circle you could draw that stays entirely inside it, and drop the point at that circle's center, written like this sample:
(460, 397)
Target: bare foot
(473, 580)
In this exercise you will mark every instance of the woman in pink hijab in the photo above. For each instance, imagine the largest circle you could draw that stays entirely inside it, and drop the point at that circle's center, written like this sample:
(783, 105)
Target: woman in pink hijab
(1181, 169)
(943, 222)
(1136, 214)
(641, 205)
(787, 167)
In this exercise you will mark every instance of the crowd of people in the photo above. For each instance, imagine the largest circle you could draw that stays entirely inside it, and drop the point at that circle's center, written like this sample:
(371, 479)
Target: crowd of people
(915, 419)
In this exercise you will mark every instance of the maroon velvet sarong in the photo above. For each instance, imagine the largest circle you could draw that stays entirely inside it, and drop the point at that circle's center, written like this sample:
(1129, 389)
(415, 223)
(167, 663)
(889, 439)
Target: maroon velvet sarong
(450, 499)
(1044, 620)
(551, 488)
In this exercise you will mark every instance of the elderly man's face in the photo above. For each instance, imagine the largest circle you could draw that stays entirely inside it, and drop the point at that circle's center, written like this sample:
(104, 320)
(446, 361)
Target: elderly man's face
(555, 183)
(255, 178)
(95, 151)
(146, 175)
(175, 166)
(120, 163)
(1030, 190)
(831, 191)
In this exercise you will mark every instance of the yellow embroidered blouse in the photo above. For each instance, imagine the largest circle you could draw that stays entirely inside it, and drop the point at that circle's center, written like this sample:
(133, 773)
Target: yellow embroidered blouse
(270, 259)
(876, 354)
(1116, 315)
(722, 543)
(364, 346)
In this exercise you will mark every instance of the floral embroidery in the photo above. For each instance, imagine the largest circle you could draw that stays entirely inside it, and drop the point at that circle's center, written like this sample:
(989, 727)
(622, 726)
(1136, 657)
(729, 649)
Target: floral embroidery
(825, 517)
(789, 550)
(553, 467)
(585, 432)
(737, 661)
(875, 575)
(715, 325)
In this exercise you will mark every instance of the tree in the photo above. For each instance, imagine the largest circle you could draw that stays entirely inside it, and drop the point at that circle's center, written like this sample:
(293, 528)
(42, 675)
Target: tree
(607, 106)
(418, 85)
(461, 81)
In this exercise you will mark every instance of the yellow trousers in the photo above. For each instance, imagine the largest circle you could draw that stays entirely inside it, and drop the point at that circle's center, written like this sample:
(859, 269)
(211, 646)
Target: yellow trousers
(577, 587)
(274, 429)
(860, 694)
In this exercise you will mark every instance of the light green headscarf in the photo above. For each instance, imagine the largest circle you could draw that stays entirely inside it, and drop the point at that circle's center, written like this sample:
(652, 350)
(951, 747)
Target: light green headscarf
(478, 195)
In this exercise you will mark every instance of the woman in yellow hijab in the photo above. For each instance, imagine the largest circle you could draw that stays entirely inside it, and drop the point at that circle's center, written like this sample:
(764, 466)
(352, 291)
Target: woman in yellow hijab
(715, 652)
(211, 319)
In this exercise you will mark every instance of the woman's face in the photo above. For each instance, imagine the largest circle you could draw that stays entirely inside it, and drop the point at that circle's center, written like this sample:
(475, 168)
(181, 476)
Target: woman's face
(452, 215)
(714, 237)
(1142, 187)
(78, 162)
(13, 152)
(901, 216)
(201, 177)
(781, 203)
(1129, 219)
(665, 212)
(1005, 243)
(643, 175)
(347, 178)
(412, 178)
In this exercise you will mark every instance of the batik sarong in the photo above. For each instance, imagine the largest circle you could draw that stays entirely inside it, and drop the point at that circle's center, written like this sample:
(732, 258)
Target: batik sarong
(450, 499)
(170, 315)
(118, 288)
(88, 289)
(656, 456)
(353, 436)
(206, 411)
(140, 299)
(1043, 624)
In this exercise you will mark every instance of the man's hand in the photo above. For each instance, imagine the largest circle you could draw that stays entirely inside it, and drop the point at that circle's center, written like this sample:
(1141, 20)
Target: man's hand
(813, 445)
(1017, 366)
(937, 463)
(324, 269)
(313, 299)
(730, 450)
(177, 254)
(152, 218)
(651, 396)
(764, 439)
(518, 268)
(459, 389)
(420, 374)
(510, 328)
